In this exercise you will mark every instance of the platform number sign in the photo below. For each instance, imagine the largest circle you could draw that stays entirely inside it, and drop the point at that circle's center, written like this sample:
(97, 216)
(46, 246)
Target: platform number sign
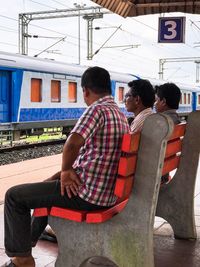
(171, 30)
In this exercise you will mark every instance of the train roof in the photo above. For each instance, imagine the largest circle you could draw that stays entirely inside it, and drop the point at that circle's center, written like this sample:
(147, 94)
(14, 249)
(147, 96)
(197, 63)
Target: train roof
(183, 86)
(47, 65)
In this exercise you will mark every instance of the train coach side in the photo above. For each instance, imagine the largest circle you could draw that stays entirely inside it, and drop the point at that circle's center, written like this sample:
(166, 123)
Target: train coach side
(44, 93)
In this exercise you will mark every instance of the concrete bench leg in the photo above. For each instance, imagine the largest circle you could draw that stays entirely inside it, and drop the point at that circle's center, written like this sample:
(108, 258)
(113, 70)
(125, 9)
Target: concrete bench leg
(120, 240)
(176, 199)
(127, 238)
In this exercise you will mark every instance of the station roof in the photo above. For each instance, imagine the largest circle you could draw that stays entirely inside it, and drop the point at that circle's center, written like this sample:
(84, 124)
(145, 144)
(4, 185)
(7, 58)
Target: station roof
(133, 8)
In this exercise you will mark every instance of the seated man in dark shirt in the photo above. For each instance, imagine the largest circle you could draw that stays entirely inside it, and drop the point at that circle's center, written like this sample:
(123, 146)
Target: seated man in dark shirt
(168, 96)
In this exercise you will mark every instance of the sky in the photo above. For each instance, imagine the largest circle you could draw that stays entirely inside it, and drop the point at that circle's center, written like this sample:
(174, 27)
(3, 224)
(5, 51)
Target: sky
(140, 32)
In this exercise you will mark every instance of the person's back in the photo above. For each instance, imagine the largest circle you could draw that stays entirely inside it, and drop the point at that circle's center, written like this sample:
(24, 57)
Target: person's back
(102, 126)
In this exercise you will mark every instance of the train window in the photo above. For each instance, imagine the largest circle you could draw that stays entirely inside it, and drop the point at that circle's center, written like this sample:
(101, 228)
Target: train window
(189, 99)
(185, 98)
(72, 92)
(121, 94)
(55, 91)
(36, 90)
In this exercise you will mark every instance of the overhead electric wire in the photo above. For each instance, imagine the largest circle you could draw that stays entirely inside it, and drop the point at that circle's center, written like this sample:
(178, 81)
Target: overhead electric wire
(145, 58)
(42, 4)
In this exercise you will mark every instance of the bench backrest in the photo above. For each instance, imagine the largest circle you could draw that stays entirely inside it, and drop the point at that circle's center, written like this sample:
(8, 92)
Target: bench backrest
(128, 159)
(127, 166)
(132, 152)
(173, 149)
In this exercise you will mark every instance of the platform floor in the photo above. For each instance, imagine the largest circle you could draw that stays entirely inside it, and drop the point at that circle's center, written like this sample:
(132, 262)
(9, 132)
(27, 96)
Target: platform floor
(168, 251)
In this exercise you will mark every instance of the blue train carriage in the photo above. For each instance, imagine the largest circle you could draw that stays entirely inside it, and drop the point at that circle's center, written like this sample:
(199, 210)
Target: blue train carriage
(39, 93)
(188, 102)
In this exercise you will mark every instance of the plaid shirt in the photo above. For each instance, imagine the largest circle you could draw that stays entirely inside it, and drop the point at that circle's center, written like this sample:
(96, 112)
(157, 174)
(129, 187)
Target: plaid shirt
(102, 126)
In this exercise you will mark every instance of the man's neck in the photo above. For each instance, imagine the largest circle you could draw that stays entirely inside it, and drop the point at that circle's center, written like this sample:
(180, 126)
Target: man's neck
(96, 97)
(136, 112)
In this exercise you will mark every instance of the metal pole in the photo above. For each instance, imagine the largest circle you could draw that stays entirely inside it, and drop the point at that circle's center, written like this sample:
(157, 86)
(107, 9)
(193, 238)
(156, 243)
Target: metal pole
(79, 38)
(197, 71)
(161, 69)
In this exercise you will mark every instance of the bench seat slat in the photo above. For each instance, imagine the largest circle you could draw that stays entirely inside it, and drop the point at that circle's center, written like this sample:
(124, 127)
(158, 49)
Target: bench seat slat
(40, 212)
(73, 215)
(104, 215)
(170, 164)
(123, 186)
(130, 142)
(173, 147)
(127, 165)
(179, 130)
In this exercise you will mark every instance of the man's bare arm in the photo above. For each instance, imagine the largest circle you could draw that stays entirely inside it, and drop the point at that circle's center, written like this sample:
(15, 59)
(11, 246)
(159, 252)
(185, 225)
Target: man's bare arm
(70, 181)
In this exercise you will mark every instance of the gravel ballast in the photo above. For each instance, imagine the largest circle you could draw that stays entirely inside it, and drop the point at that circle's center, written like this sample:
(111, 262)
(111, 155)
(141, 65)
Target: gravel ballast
(29, 153)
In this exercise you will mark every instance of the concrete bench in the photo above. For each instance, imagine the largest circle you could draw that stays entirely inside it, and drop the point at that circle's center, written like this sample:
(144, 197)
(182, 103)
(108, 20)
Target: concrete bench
(126, 239)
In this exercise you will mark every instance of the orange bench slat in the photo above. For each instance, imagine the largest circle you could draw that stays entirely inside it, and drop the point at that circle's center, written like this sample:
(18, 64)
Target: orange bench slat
(173, 147)
(104, 215)
(170, 164)
(179, 130)
(40, 212)
(123, 186)
(130, 142)
(127, 165)
(73, 215)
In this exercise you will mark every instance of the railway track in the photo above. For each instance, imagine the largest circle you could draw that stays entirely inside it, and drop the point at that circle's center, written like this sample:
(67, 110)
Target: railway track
(31, 145)
(24, 152)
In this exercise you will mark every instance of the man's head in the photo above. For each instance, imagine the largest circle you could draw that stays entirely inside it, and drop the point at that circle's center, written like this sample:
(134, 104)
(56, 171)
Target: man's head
(96, 83)
(168, 96)
(140, 96)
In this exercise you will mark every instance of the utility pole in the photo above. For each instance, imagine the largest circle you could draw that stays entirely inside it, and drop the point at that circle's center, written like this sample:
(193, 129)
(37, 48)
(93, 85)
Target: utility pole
(26, 18)
(197, 70)
(89, 19)
(79, 6)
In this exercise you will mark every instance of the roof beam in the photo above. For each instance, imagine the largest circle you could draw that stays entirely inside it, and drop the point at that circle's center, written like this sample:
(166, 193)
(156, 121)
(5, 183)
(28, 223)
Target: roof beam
(135, 8)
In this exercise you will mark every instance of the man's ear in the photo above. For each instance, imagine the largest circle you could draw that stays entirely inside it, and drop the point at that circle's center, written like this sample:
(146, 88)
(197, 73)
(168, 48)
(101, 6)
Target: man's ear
(163, 102)
(137, 99)
(86, 92)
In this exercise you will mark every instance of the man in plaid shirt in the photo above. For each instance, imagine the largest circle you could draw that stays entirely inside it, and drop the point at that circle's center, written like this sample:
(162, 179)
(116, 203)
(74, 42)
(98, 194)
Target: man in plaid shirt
(88, 173)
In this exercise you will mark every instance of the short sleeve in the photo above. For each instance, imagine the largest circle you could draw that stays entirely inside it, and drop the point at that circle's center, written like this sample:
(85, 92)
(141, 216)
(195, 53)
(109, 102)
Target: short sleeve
(90, 121)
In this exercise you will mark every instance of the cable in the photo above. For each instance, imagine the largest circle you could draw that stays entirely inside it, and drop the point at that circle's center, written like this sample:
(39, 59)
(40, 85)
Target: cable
(50, 46)
(60, 3)
(42, 4)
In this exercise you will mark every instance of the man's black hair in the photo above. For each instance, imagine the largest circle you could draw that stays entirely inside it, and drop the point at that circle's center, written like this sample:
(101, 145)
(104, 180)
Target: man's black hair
(143, 89)
(171, 93)
(97, 80)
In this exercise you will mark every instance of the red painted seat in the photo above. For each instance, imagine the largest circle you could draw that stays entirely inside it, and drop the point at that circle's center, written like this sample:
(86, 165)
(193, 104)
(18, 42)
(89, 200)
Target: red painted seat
(123, 187)
(125, 179)
(173, 149)
(39, 212)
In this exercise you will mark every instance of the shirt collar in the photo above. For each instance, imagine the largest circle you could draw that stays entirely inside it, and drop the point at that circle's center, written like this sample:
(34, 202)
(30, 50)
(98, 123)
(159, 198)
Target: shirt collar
(144, 112)
(107, 98)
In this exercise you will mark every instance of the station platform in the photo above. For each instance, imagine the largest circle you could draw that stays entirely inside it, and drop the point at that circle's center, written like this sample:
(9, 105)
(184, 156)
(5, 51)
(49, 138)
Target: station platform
(168, 251)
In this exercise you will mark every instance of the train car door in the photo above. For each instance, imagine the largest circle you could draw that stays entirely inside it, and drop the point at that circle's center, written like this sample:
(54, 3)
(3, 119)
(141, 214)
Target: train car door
(5, 96)
(194, 101)
(113, 88)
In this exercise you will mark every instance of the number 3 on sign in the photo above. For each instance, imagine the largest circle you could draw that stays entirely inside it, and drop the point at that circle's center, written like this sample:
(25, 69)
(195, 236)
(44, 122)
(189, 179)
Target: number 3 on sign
(171, 27)
(171, 30)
